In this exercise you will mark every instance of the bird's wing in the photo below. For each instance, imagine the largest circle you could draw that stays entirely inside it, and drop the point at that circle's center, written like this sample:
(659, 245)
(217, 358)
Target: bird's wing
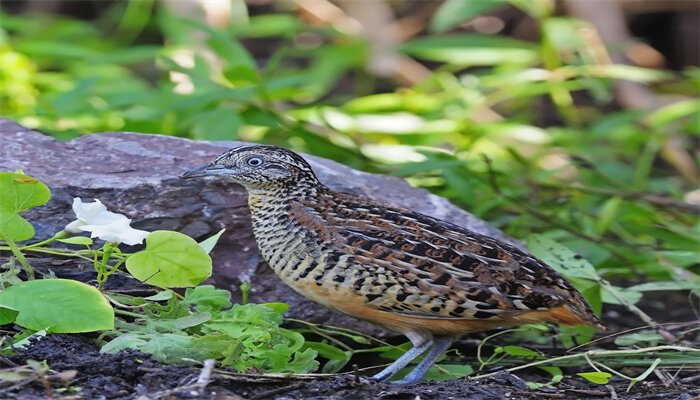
(413, 264)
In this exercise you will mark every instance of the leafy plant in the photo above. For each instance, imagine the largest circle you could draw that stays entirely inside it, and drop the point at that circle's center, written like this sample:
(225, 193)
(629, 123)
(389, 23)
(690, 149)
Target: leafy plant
(20, 193)
(204, 324)
(247, 337)
(61, 305)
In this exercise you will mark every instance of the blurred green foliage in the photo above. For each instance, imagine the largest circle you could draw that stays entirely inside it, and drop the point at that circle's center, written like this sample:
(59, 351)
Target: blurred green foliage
(616, 186)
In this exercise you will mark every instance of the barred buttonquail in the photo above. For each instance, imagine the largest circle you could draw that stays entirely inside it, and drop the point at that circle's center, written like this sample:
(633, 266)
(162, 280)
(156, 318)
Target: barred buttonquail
(407, 272)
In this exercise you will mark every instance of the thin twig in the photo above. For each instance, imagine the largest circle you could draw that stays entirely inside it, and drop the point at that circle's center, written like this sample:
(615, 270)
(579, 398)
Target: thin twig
(597, 353)
(626, 331)
(668, 336)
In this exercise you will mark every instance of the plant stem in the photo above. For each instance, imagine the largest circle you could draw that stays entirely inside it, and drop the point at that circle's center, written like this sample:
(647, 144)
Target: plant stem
(12, 246)
(636, 310)
(101, 268)
(594, 353)
(58, 252)
(59, 235)
(128, 313)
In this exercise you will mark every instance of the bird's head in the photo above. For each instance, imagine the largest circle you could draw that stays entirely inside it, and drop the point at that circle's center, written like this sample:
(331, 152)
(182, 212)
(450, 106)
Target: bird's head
(259, 167)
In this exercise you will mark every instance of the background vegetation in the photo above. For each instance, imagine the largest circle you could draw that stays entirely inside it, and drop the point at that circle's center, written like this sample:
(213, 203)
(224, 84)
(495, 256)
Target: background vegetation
(531, 114)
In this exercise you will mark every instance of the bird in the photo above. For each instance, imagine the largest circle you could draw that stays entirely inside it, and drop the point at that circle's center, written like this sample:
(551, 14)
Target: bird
(407, 272)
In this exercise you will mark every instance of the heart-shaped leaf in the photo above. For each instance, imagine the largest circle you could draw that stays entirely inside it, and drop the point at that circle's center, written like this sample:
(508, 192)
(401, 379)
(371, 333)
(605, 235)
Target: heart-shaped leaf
(19, 193)
(170, 259)
(59, 305)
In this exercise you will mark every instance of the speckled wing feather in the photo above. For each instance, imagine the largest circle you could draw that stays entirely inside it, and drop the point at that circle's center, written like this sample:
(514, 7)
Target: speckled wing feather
(408, 263)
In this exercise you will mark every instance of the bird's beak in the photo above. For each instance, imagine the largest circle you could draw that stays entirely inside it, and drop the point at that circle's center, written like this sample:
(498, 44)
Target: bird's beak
(207, 170)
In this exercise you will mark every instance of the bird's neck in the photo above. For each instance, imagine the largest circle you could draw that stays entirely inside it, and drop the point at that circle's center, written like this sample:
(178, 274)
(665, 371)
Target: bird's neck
(283, 239)
(276, 199)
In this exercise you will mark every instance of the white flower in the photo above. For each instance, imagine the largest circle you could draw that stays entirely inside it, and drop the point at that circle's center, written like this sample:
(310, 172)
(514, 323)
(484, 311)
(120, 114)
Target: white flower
(106, 225)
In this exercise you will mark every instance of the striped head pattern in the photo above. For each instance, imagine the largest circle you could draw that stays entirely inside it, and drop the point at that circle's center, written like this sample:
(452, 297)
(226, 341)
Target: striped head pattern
(260, 167)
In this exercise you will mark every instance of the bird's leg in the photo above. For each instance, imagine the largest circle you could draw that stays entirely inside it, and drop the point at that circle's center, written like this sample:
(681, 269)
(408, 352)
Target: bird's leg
(441, 345)
(415, 351)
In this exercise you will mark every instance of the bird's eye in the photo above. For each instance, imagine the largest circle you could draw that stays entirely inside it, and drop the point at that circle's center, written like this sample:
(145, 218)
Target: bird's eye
(255, 161)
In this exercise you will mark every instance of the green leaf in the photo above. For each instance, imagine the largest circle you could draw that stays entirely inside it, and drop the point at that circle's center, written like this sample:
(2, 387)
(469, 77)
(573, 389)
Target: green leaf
(170, 259)
(563, 33)
(557, 374)
(453, 12)
(333, 366)
(209, 243)
(279, 308)
(667, 114)
(522, 352)
(77, 240)
(327, 351)
(207, 298)
(285, 25)
(561, 258)
(608, 213)
(242, 74)
(24, 342)
(682, 258)
(59, 305)
(217, 124)
(260, 342)
(535, 8)
(161, 296)
(170, 347)
(443, 372)
(180, 324)
(226, 47)
(663, 286)
(19, 193)
(631, 296)
(7, 316)
(600, 378)
(473, 50)
(645, 338)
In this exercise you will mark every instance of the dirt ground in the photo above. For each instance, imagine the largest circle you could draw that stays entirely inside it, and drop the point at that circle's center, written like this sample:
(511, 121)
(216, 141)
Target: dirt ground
(134, 375)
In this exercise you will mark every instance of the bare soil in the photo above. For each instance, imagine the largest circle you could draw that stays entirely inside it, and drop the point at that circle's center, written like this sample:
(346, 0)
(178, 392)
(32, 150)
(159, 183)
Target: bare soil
(134, 375)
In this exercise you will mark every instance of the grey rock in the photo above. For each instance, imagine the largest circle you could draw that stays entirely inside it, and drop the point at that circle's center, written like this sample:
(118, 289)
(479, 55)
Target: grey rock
(137, 175)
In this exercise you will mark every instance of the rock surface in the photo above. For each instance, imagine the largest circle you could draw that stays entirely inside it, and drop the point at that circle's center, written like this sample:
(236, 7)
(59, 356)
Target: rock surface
(137, 175)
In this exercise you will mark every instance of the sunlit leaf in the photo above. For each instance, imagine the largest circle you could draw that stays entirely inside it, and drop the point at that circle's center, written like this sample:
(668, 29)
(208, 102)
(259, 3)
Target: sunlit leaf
(225, 46)
(84, 240)
(209, 243)
(217, 124)
(600, 378)
(472, 49)
(672, 112)
(453, 12)
(522, 352)
(170, 259)
(19, 193)
(59, 305)
(561, 258)
(607, 213)
(327, 351)
(631, 296)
